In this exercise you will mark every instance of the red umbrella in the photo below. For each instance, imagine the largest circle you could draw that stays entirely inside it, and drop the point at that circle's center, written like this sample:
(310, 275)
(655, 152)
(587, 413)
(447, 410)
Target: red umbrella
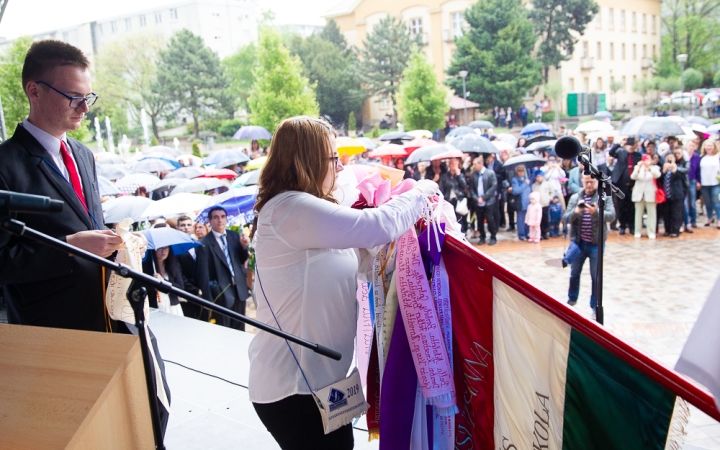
(448, 155)
(388, 151)
(225, 174)
(417, 143)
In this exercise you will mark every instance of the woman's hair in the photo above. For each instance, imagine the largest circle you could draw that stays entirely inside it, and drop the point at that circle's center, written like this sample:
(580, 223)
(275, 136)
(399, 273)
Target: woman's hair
(298, 160)
(714, 144)
(172, 266)
(519, 168)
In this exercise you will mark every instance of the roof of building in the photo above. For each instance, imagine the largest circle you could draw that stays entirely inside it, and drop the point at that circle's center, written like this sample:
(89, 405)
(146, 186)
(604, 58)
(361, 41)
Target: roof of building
(459, 103)
(341, 8)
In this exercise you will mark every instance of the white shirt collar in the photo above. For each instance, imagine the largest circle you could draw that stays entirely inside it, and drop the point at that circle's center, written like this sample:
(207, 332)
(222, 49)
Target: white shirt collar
(47, 140)
(218, 235)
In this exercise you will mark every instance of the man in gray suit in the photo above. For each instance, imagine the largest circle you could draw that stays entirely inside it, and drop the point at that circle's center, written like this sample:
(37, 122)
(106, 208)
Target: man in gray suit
(483, 190)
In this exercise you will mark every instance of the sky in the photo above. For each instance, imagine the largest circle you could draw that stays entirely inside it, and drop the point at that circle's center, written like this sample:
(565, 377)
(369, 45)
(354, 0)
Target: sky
(24, 17)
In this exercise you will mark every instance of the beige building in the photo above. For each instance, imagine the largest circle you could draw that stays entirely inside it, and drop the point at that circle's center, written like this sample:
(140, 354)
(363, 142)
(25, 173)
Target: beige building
(617, 46)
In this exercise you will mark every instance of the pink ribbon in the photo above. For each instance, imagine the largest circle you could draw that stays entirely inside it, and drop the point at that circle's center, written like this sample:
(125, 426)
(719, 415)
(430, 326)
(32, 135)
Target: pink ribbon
(377, 191)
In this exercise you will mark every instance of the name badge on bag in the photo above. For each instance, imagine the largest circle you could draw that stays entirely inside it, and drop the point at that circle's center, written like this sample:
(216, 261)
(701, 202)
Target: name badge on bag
(341, 402)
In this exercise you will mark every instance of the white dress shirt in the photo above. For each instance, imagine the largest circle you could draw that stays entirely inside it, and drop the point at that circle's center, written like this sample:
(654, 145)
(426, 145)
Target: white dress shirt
(51, 144)
(308, 266)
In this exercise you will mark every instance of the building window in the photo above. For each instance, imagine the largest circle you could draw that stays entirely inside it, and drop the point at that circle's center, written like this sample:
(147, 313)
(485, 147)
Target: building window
(173, 14)
(612, 51)
(128, 24)
(99, 29)
(384, 104)
(610, 18)
(416, 26)
(586, 84)
(633, 22)
(652, 24)
(599, 85)
(643, 23)
(622, 20)
(158, 17)
(113, 27)
(622, 52)
(66, 36)
(599, 51)
(598, 21)
(644, 51)
(584, 49)
(653, 53)
(142, 20)
(571, 83)
(624, 84)
(457, 23)
(634, 52)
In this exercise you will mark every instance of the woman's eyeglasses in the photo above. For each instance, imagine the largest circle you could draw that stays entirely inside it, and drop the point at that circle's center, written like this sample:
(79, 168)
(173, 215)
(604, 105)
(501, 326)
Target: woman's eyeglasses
(336, 160)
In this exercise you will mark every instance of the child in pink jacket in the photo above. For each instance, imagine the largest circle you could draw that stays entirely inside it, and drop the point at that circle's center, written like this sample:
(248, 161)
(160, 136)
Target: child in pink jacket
(533, 217)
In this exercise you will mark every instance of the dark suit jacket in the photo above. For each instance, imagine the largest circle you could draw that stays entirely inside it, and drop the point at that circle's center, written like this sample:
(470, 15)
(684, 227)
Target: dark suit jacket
(489, 188)
(43, 286)
(175, 277)
(620, 175)
(218, 272)
(678, 181)
(193, 269)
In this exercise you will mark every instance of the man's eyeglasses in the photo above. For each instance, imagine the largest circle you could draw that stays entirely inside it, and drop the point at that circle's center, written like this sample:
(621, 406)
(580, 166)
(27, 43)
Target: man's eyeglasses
(75, 102)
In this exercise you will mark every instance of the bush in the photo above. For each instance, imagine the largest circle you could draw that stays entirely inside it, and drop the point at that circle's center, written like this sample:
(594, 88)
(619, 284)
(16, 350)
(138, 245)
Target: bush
(196, 148)
(548, 117)
(352, 123)
(153, 140)
(375, 132)
(229, 127)
(692, 79)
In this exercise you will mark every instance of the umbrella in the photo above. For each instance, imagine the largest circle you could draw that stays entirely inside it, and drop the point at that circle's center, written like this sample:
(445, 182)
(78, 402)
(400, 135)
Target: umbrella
(117, 209)
(252, 132)
(459, 131)
(699, 120)
(417, 143)
(533, 128)
(388, 151)
(186, 173)
(714, 129)
(679, 120)
(646, 126)
(421, 134)
(257, 163)
(169, 237)
(231, 162)
(603, 115)
(427, 152)
(593, 125)
(366, 142)
(168, 184)
(189, 160)
(175, 205)
(448, 155)
(541, 145)
(500, 145)
(474, 143)
(153, 165)
(106, 187)
(199, 185)
(542, 137)
(167, 151)
(111, 172)
(481, 124)
(349, 146)
(224, 174)
(239, 204)
(247, 179)
(221, 155)
(509, 138)
(109, 158)
(130, 183)
(529, 160)
(396, 136)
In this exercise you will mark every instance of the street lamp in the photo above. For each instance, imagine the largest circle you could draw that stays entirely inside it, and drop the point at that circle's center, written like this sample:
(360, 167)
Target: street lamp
(464, 74)
(682, 59)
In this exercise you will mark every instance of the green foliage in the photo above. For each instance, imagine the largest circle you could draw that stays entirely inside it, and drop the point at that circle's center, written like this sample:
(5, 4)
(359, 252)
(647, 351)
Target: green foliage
(642, 86)
(670, 84)
(553, 91)
(375, 132)
(716, 78)
(497, 53)
(15, 103)
(548, 116)
(421, 100)
(240, 68)
(280, 90)
(333, 68)
(692, 79)
(352, 123)
(558, 23)
(386, 53)
(83, 133)
(191, 77)
(689, 27)
(195, 146)
(229, 127)
(153, 140)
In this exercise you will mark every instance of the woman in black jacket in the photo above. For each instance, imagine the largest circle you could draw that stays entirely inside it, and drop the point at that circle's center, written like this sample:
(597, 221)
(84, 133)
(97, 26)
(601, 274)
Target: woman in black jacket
(674, 182)
(162, 264)
(453, 186)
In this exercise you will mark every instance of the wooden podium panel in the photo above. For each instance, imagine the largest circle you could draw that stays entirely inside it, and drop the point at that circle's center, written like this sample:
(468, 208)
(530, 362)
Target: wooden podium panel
(68, 389)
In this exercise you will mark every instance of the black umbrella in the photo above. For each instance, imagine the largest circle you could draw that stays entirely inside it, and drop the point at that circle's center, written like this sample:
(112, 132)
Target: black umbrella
(481, 124)
(646, 126)
(459, 131)
(396, 136)
(474, 143)
(427, 152)
(540, 138)
(528, 160)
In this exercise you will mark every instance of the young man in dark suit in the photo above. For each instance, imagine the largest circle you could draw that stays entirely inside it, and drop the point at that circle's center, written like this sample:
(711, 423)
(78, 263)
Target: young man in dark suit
(192, 265)
(225, 281)
(483, 199)
(625, 160)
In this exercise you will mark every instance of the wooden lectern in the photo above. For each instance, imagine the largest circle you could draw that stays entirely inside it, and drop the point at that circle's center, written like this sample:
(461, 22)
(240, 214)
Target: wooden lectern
(69, 389)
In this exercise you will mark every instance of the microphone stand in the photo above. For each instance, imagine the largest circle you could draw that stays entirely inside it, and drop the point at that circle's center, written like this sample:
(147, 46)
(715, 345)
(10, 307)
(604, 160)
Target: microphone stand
(136, 294)
(604, 184)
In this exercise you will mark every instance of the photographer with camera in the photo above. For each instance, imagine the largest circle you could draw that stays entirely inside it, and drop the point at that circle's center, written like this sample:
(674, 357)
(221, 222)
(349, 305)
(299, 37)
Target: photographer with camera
(584, 217)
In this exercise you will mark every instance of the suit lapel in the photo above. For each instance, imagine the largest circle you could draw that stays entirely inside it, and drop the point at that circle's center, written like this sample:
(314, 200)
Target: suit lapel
(217, 250)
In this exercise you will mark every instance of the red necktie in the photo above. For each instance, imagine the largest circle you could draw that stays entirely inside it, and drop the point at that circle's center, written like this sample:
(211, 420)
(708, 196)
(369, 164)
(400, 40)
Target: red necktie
(72, 171)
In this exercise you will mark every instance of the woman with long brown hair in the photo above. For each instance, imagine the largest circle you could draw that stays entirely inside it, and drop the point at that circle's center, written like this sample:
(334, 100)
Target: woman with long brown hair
(307, 268)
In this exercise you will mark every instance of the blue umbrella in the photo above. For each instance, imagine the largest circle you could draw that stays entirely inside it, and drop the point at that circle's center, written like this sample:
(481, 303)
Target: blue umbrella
(175, 164)
(169, 237)
(223, 155)
(603, 115)
(533, 128)
(459, 131)
(252, 132)
(238, 202)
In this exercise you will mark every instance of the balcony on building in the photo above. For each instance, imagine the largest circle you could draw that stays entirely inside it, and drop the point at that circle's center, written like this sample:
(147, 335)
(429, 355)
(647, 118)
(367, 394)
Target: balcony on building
(587, 63)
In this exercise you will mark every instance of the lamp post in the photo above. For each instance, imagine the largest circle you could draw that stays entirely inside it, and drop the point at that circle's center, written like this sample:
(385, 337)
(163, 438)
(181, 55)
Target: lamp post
(682, 59)
(464, 74)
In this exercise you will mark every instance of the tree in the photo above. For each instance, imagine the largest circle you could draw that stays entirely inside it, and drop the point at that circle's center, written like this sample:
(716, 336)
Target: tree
(352, 123)
(716, 78)
(331, 33)
(240, 68)
(692, 79)
(280, 90)
(669, 84)
(642, 86)
(558, 23)
(15, 103)
(496, 51)
(191, 77)
(421, 100)
(689, 27)
(386, 53)
(334, 69)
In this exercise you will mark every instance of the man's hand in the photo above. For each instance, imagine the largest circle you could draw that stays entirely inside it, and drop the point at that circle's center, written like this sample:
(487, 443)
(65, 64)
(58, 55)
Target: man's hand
(101, 243)
(481, 201)
(244, 241)
(591, 209)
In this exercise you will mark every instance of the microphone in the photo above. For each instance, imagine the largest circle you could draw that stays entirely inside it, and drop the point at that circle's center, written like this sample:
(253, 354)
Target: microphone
(27, 203)
(568, 147)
